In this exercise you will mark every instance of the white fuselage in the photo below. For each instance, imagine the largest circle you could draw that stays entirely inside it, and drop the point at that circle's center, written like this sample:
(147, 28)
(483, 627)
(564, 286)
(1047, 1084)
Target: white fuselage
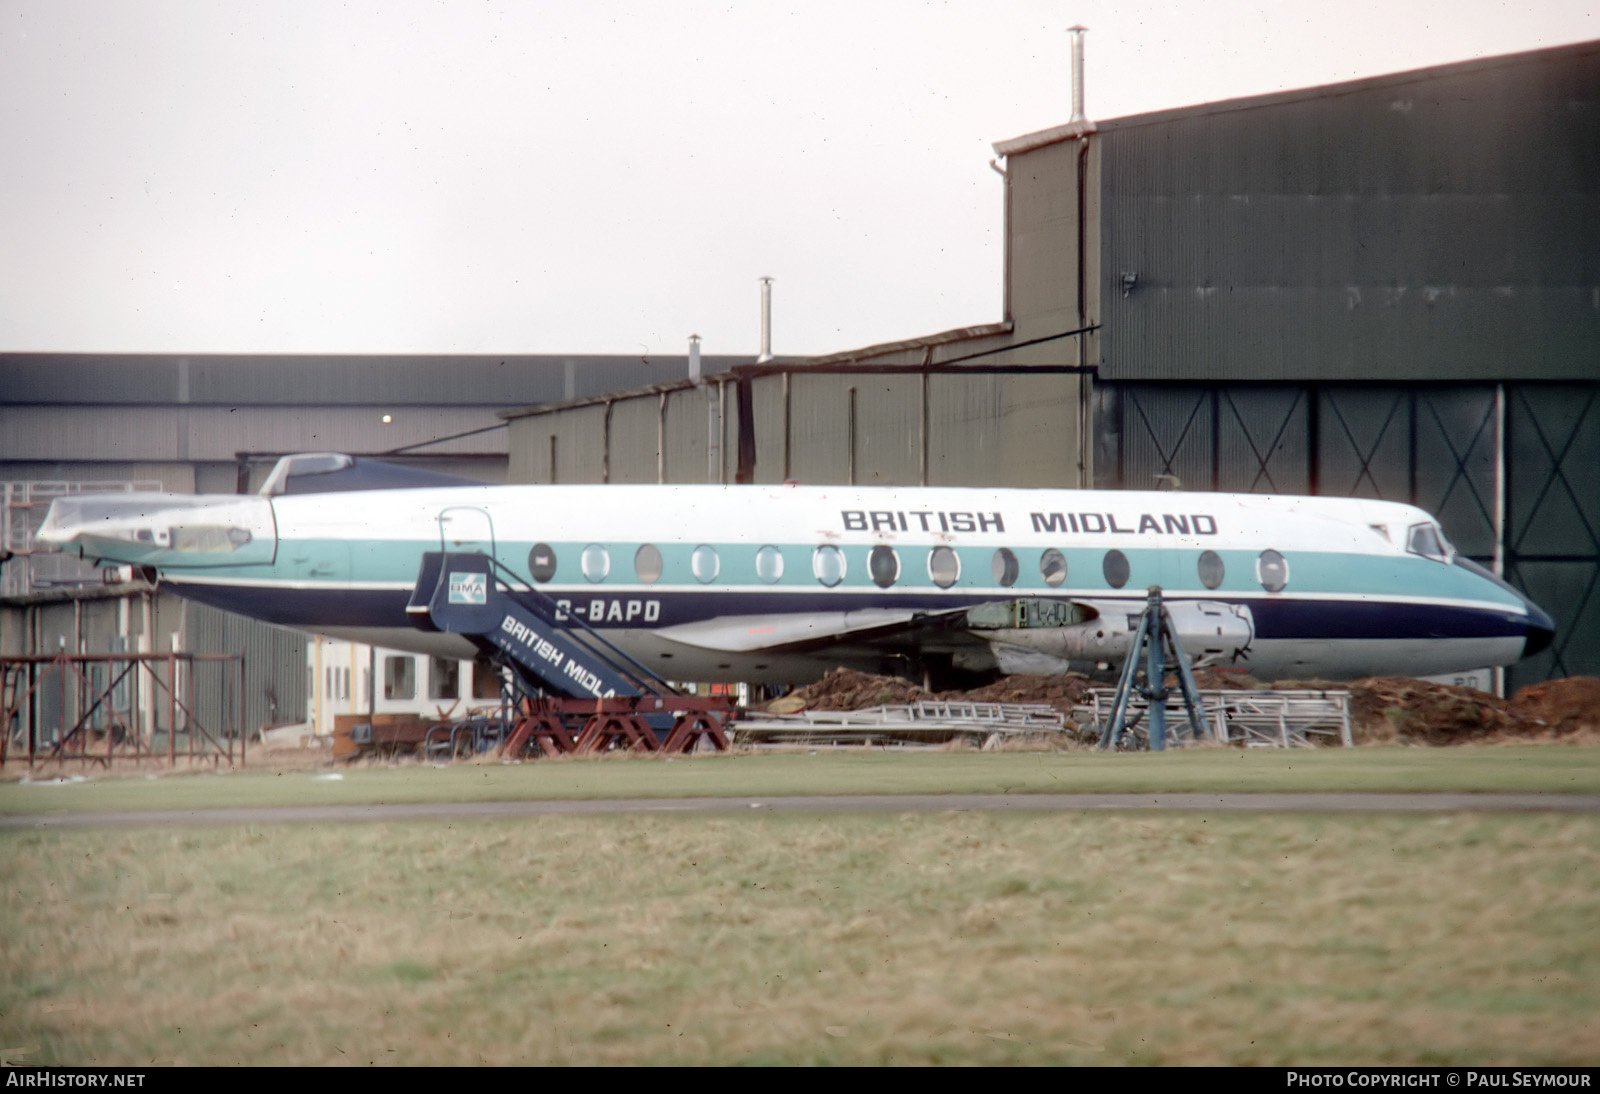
(783, 582)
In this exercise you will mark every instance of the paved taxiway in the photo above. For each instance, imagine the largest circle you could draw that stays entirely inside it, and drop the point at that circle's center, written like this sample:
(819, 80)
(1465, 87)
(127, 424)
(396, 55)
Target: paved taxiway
(837, 803)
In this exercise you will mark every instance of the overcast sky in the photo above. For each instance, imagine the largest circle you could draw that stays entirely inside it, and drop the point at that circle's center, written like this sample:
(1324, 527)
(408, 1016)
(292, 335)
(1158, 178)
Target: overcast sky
(589, 177)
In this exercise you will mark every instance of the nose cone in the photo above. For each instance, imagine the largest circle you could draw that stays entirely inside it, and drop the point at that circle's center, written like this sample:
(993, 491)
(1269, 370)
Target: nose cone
(1541, 630)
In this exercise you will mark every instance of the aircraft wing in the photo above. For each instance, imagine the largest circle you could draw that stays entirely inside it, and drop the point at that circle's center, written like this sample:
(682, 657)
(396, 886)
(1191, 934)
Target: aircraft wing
(748, 633)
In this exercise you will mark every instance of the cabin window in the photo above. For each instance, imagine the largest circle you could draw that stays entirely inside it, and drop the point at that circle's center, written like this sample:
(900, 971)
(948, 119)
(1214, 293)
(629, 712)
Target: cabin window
(1272, 570)
(1115, 567)
(1211, 569)
(1004, 567)
(596, 562)
(943, 567)
(884, 565)
(399, 678)
(769, 564)
(444, 678)
(1053, 567)
(1424, 540)
(647, 564)
(542, 562)
(827, 562)
(705, 564)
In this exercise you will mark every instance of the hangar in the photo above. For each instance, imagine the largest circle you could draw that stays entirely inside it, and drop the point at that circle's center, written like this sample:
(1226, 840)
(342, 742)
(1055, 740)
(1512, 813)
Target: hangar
(1386, 288)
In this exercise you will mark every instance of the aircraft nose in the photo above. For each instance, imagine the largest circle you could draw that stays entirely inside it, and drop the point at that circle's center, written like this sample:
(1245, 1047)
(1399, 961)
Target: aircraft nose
(1541, 630)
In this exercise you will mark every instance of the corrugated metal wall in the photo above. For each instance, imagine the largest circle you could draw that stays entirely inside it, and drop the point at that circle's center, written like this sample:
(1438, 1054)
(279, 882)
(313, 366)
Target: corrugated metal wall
(270, 689)
(1422, 226)
(151, 434)
(1016, 428)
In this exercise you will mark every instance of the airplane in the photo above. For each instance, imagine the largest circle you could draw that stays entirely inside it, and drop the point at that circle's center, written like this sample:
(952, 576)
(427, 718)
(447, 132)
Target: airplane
(781, 583)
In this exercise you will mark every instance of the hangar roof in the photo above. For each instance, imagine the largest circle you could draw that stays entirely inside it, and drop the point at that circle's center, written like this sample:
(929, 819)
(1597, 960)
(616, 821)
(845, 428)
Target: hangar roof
(330, 380)
(1027, 142)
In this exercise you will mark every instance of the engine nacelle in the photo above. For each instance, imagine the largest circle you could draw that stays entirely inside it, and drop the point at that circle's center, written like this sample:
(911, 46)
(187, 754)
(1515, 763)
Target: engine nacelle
(1033, 633)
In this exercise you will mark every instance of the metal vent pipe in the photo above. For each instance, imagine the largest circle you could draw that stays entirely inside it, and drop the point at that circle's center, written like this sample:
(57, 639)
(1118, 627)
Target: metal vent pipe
(766, 320)
(1077, 74)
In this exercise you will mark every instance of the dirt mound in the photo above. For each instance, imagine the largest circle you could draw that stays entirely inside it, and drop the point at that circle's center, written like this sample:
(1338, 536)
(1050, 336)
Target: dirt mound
(846, 689)
(1061, 692)
(1401, 710)
(1208, 680)
(1383, 709)
(1558, 708)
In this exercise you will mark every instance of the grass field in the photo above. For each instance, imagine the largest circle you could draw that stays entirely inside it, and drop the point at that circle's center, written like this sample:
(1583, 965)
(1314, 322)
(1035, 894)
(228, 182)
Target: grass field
(933, 938)
(886, 938)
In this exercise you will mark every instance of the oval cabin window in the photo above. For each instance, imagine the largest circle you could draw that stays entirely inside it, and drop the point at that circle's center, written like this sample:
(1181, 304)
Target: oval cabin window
(1053, 567)
(705, 564)
(827, 563)
(647, 564)
(1211, 569)
(1272, 570)
(769, 564)
(1004, 567)
(943, 567)
(1116, 568)
(542, 562)
(596, 562)
(884, 565)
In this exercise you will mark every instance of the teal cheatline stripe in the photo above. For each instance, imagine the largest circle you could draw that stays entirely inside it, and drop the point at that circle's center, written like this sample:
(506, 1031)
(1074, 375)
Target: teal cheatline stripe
(1310, 572)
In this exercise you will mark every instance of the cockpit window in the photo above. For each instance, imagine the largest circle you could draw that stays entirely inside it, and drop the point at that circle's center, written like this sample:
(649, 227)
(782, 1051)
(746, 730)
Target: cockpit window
(1425, 540)
(207, 537)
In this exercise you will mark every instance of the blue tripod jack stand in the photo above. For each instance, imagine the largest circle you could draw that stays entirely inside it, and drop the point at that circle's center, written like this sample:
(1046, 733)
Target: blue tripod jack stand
(1155, 646)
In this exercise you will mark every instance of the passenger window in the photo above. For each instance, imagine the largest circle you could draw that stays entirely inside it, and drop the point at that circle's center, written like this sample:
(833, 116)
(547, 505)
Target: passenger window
(596, 562)
(1272, 570)
(1053, 567)
(1211, 569)
(705, 564)
(944, 567)
(769, 564)
(884, 565)
(1004, 567)
(1115, 567)
(542, 562)
(647, 564)
(827, 563)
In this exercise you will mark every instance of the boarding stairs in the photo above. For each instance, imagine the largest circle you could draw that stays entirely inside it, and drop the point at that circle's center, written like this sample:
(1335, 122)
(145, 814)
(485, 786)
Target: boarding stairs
(576, 691)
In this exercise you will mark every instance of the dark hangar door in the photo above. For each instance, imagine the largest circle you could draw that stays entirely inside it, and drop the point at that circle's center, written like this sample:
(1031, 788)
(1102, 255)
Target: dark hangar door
(1436, 446)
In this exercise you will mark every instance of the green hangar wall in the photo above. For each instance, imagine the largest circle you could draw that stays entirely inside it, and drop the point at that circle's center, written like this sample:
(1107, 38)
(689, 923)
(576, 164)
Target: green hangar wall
(1386, 288)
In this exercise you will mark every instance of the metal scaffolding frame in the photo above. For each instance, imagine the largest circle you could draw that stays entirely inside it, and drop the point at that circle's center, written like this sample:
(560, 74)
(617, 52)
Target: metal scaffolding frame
(95, 727)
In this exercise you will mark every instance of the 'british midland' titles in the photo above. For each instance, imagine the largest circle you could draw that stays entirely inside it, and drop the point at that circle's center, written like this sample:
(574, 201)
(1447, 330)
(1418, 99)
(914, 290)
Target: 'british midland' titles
(929, 520)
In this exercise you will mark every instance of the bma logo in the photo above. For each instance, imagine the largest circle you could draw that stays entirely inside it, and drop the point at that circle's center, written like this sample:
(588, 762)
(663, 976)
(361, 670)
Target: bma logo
(470, 588)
